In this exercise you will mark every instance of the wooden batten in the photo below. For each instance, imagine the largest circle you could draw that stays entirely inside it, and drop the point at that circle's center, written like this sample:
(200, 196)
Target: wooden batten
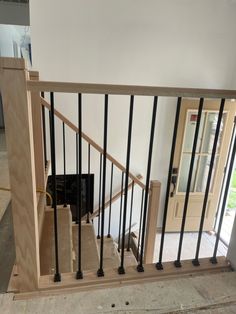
(19, 137)
(151, 229)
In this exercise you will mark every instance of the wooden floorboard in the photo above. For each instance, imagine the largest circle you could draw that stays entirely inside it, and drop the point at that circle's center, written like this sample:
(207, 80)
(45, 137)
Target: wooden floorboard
(47, 250)
(89, 249)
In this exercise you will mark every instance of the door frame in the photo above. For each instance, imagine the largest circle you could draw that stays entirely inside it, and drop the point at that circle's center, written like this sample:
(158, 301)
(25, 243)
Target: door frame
(174, 216)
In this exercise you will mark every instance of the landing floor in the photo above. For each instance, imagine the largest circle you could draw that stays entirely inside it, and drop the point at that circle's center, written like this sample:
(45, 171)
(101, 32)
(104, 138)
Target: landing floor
(188, 247)
(214, 293)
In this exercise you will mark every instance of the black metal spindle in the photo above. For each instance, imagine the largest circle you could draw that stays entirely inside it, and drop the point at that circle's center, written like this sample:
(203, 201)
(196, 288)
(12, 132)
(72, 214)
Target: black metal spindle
(177, 263)
(209, 178)
(77, 177)
(121, 269)
(99, 196)
(159, 265)
(121, 209)
(140, 225)
(64, 162)
(140, 267)
(130, 216)
(79, 274)
(100, 271)
(57, 276)
(225, 196)
(44, 133)
(88, 203)
(225, 172)
(50, 127)
(109, 218)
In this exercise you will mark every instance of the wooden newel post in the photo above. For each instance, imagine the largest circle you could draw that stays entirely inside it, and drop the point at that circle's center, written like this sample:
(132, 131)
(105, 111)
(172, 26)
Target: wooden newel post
(151, 230)
(38, 134)
(20, 146)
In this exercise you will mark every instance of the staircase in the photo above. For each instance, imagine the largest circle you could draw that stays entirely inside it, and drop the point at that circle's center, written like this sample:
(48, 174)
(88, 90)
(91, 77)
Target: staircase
(47, 251)
(68, 241)
(51, 252)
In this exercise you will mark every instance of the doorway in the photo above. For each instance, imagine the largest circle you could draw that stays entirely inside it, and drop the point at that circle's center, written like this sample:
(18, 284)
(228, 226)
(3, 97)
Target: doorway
(185, 135)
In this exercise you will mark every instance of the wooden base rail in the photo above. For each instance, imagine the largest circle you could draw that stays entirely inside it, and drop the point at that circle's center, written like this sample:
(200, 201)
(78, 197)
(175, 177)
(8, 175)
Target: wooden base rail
(63, 87)
(91, 142)
(112, 279)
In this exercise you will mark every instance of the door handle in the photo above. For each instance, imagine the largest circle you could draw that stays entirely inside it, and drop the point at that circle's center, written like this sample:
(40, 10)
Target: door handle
(174, 177)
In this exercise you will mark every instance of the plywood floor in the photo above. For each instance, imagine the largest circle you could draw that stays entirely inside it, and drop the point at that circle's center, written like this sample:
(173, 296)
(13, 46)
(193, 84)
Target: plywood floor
(204, 294)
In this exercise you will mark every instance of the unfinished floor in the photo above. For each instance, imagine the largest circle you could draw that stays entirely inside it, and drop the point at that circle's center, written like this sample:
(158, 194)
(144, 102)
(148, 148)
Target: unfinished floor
(7, 249)
(214, 293)
(189, 246)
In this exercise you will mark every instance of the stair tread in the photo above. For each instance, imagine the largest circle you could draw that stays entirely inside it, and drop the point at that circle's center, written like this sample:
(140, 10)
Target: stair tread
(111, 257)
(47, 246)
(129, 259)
(89, 249)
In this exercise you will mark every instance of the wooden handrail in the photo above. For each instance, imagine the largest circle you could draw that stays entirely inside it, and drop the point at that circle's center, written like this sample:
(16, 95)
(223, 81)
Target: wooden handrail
(62, 87)
(113, 199)
(91, 142)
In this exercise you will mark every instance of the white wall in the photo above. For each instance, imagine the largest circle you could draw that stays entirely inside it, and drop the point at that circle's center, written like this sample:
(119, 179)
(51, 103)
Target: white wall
(168, 43)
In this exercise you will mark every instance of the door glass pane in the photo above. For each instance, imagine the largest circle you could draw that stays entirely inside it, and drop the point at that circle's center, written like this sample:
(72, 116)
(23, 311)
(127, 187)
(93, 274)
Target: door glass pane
(190, 130)
(203, 170)
(210, 129)
(184, 172)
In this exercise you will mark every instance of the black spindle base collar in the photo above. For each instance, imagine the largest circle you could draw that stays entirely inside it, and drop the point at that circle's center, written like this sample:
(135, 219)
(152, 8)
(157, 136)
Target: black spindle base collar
(79, 274)
(100, 272)
(213, 260)
(195, 262)
(128, 249)
(57, 277)
(98, 237)
(87, 221)
(159, 266)
(177, 264)
(140, 268)
(108, 236)
(121, 270)
(65, 205)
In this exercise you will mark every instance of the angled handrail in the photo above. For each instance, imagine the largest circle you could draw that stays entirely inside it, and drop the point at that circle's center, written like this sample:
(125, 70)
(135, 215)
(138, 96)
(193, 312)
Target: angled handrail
(91, 142)
(115, 197)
